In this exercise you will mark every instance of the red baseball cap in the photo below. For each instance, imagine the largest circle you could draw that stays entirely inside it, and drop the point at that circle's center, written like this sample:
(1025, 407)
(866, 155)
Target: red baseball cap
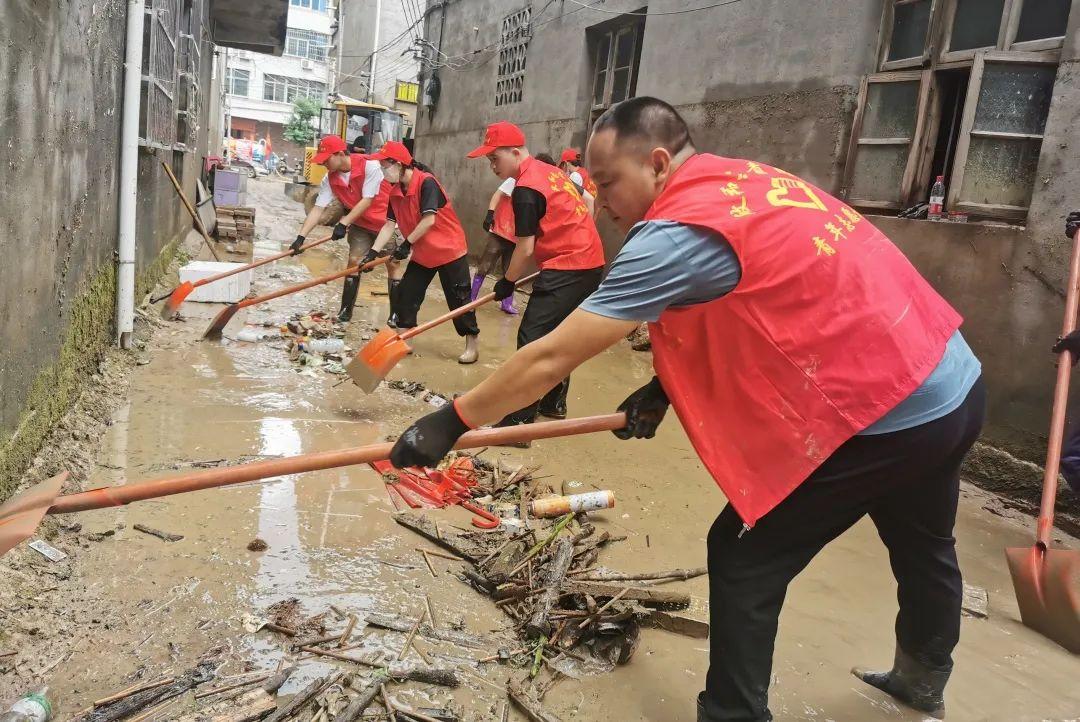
(393, 150)
(499, 135)
(570, 155)
(329, 145)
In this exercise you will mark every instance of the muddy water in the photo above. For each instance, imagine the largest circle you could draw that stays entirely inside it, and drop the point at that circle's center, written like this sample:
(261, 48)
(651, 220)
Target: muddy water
(330, 533)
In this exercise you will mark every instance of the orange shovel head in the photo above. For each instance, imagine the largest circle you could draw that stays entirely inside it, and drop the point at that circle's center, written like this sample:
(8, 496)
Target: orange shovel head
(172, 304)
(1047, 587)
(213, 331)
(382, 353)
(21, 514)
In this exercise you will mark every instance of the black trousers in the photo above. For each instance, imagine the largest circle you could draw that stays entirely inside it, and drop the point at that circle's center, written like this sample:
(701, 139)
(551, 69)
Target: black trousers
(555, 295)
(908, 482)
(496, 249)
(455, 280)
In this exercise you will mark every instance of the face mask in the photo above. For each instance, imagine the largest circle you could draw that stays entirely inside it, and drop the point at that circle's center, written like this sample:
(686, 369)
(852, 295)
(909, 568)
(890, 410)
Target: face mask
(392, 174)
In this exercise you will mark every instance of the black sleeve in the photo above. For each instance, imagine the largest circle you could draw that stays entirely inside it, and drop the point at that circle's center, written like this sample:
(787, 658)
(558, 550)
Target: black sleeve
(529, 208)
(431, 197)
(390, 213)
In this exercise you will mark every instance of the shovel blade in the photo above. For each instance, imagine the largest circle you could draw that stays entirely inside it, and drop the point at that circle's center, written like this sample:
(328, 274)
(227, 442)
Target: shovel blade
(1047, 584)
(378, 356)
(172, 304)
(21, 514)
(213, 331)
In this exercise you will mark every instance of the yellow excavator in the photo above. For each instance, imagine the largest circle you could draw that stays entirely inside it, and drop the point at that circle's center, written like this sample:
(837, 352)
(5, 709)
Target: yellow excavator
(349, 119)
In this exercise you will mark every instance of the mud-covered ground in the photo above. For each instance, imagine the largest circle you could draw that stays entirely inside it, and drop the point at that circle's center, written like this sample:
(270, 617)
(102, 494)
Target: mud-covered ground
(126, 606)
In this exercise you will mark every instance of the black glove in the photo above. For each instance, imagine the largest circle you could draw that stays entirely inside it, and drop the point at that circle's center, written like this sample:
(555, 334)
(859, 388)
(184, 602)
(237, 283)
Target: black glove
(402, 251)
(370, 256)
(503, 289)
(489, 220)
(645, 409)
(428, 440)
(295, 247)
(340, 230)
(1070, 343)
(1072, 222)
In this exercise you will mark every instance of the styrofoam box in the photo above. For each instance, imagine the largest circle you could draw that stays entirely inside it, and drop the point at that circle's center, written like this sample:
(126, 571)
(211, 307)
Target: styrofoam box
(227, 290)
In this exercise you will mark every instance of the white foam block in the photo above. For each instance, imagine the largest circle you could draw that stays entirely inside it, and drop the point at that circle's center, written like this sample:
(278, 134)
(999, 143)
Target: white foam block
(227, 290)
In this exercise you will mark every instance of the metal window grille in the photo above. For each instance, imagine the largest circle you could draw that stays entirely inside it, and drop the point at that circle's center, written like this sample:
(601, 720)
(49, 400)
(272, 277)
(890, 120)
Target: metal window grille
(513, 49)
(190, 65)
(160, 41)
(283, 89)
(306, 44)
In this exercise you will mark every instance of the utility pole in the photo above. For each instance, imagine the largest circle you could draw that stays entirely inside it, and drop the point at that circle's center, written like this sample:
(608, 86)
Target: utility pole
(375, 52)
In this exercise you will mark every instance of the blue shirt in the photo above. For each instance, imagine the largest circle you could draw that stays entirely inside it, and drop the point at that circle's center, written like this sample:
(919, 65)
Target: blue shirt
(664, 264)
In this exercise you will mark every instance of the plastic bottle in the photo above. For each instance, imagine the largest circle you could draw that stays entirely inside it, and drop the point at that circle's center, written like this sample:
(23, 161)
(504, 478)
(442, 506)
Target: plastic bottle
(38, 705)
(937, 199)
(559, 505)
(325, 345)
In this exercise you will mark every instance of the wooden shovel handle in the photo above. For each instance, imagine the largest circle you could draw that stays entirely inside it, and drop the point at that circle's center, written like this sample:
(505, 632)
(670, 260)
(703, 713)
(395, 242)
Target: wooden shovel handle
(1061, 398)
(313, 282)
(191, 210)
(459, 311)
(256, 264)
(196, 481)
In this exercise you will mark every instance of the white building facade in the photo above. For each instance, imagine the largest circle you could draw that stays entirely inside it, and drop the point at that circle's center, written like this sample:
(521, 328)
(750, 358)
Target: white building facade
(260, 89)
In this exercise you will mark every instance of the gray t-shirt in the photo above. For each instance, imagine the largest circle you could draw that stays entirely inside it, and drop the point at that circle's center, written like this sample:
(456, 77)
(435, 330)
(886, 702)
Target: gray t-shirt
(665, 263)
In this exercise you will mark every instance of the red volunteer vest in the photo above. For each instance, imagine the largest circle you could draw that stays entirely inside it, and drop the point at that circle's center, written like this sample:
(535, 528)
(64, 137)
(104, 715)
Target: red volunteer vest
(504, 220)
(829, 328)
(567, 240)
(587, 182)
(351, 193)
(445, 241)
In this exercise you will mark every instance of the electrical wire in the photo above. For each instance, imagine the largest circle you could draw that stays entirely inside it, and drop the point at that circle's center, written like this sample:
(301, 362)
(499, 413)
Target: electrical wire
(591, 6)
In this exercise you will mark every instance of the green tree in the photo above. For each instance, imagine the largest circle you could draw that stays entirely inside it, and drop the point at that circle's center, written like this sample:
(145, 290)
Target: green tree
(299, 128)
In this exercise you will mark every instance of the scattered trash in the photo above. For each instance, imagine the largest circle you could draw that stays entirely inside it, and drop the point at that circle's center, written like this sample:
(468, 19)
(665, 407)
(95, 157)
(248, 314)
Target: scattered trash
(47, 550)
(553, 506)
(39, 705)
(257, 333)
(257, 545)
(163, 535)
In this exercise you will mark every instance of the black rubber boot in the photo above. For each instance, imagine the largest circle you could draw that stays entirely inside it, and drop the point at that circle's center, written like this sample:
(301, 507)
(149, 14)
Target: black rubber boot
(391, 291)
(348, 298)
(918, 685)
(553, 405)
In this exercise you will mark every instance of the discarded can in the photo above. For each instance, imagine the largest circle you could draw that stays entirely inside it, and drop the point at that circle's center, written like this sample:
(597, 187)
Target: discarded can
(559, 505)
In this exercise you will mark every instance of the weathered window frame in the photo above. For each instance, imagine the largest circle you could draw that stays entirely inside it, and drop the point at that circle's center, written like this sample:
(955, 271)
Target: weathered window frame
(635, 29)
(1013, 25)
(915, 143)
(885, 37)
(1007, 29)
(967, 125)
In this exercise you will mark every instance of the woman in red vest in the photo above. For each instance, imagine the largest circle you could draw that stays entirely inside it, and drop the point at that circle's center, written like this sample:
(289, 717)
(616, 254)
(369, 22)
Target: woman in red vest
(356, 183)
(555, 232)
(434, 242)
(818, 376)
(499, 226)
(570, 164)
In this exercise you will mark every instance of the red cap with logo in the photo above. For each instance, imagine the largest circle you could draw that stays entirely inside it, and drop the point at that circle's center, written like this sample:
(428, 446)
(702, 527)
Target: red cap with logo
(393, 150)
(329, 145)
(499, 135)
(570, 155)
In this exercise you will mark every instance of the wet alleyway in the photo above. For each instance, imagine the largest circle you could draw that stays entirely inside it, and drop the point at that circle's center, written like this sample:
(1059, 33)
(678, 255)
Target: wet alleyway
(332, 539)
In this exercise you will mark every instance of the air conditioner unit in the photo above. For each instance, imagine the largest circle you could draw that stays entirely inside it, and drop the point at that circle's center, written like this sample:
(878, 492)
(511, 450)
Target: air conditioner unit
(242, 54)
(307, 64)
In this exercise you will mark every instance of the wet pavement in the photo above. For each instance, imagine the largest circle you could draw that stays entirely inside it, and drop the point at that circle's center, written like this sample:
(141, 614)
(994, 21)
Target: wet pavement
(332, 539)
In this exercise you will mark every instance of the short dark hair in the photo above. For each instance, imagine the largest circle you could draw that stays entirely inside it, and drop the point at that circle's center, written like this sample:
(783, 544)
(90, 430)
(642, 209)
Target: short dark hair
(545, 158)
(647, 120)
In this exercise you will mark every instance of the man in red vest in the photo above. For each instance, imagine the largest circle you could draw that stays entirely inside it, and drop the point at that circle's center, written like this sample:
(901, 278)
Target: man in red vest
(555, 232)
(819, 377)
(356, 183)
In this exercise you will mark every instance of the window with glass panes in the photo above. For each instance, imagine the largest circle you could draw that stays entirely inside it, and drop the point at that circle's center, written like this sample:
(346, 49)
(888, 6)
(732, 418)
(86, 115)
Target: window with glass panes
(970, 106)
(237, 81)
(617, 51)
(286, 90)
(306, 44)
(318, 5)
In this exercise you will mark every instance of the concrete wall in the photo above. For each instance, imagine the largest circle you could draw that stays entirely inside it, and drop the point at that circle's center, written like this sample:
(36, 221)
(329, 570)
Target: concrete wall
(59, 153)
(777, 80)
(357, 39)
